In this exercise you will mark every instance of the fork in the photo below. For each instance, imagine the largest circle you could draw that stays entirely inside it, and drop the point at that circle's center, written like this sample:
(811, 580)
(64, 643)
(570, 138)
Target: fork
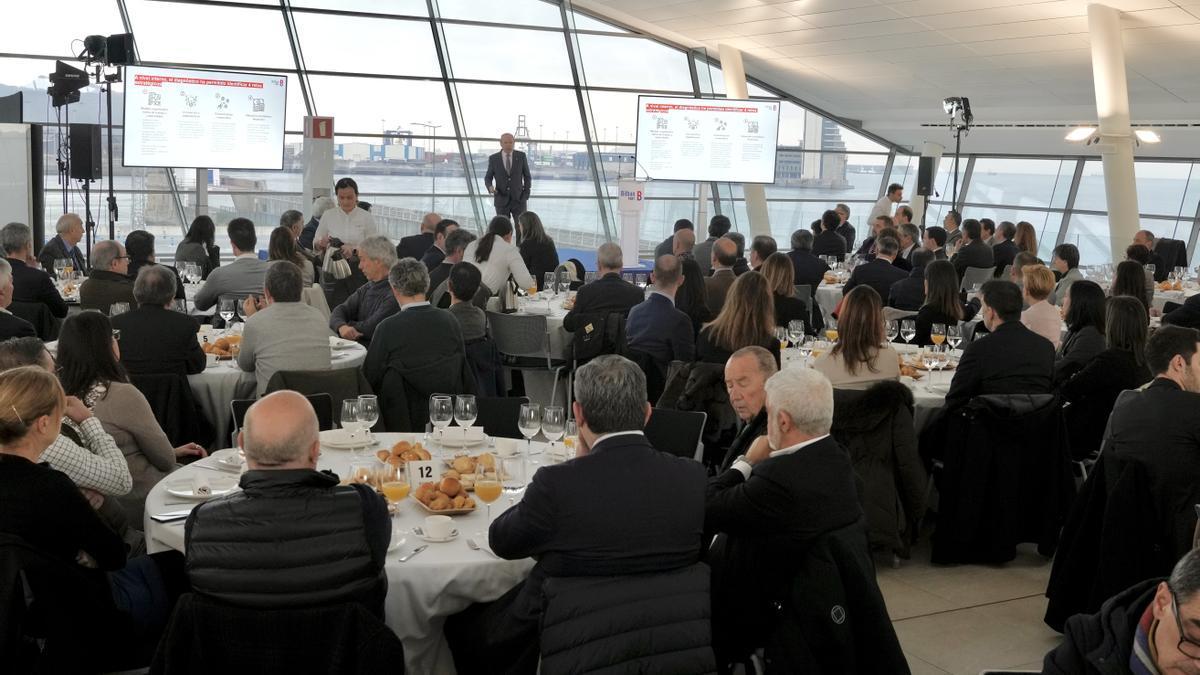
(476, 547)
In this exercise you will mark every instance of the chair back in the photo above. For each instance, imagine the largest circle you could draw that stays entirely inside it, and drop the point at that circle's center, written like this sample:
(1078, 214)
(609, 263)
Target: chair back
(38, 314)
(1172, 251)
(1006, 273)
(322, 405)
(676, 432)
(314, 296)
(974, 276)
(170, 397)
(893, 314)
(339, 385)
(498, 416)
(520, 335)
(596, 335)
(586, 625)
(804, 294)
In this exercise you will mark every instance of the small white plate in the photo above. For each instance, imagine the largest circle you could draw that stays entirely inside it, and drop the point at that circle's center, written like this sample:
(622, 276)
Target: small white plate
(461, 442)
(424, 537)
(186, 492)
(339, 439)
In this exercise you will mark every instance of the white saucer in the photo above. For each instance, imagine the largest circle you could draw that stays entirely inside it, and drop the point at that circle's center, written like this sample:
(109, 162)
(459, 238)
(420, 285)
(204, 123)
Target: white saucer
(186, 493)
(424, 537)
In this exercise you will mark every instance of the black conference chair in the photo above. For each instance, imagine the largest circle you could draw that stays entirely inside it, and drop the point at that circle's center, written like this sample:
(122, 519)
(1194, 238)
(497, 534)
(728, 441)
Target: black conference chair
(676, 432)
(498, 416)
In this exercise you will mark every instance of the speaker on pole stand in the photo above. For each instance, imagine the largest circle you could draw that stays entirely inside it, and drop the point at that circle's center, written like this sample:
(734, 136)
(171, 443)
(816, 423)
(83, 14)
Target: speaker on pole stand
(86, 166)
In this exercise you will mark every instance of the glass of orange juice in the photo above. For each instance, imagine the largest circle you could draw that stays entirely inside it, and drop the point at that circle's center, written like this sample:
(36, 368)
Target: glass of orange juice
(488, 489)
(937, 333)
(831, 331)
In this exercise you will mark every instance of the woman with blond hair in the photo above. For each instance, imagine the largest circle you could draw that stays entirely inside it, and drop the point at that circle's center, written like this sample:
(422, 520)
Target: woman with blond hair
(861, 356)
(1041, 317)
(747, 319)
(1026, 239)
(777, 269)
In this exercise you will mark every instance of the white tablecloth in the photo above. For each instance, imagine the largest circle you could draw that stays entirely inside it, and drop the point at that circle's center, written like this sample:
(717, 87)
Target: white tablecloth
(828, 297)
(1161, 298)
(440, 581)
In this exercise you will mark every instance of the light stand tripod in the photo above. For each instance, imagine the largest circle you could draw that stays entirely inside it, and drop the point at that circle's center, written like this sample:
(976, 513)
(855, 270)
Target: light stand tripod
(106, 90)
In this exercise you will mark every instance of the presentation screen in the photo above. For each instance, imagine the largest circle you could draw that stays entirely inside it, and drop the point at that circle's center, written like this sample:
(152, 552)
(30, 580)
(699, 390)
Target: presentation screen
(203, 118)
(706, 139)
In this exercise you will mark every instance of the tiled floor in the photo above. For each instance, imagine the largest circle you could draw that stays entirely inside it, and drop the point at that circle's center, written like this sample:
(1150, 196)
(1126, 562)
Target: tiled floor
(964, 619)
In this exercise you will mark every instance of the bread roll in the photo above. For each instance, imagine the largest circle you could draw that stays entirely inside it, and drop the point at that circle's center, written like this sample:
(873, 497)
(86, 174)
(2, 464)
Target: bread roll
(450, 486)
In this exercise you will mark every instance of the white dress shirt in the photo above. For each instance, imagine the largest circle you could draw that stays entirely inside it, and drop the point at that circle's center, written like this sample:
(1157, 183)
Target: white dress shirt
(745, 467)
(883, 207)
(351, 227)
(504, 260)
(605, 437)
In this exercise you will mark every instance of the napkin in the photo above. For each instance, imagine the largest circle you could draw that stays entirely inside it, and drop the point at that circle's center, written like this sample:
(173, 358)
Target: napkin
(200, 486)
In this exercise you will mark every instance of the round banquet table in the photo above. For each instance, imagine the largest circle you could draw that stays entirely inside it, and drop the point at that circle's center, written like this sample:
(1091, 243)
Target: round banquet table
(1161, 298)
(828, 297)
(443, 579)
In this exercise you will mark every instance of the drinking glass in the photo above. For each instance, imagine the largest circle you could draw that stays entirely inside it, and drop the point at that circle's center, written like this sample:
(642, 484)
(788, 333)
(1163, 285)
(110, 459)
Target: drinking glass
(512, 474)
(781, 334)
(954, 336)
(548, 282)
(908, 330)
(487, 490)
(179, 305)
(466, 410)
(227, 309)
(529, 421)
(937, 333)
(118, 308)
(368, 412)
(441, 411)
(61, 265)
(929, 359)
(589, 277)
(795, 329)
(570, 438)
(831, 330)
(554, 421)
(349, 417)
(1151, 268)
(393, 482)
(805, 345)
(893, 329)
(365, 472)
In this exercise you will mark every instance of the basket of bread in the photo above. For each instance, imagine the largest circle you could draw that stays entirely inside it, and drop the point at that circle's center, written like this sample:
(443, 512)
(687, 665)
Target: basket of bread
(222, 347)
(1169, 285)
(404, 452)
(830, 278)
(466, 468)
(446, 497)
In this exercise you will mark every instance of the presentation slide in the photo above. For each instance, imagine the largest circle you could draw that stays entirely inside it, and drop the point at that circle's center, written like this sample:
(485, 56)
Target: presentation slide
(203, 118)
(693, 139)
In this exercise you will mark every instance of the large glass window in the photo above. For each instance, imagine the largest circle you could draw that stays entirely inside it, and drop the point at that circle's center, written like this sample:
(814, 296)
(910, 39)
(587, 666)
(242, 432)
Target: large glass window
(510, 12)
(375, 105)
(1021, 182)
(211, 35)
(352, 44)
(56, 27)
(489, 110)
(498, 54)
(610, 61)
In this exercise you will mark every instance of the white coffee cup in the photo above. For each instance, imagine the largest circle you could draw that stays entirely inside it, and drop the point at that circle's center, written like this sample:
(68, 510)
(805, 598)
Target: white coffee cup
(507, 447)
(438, 527)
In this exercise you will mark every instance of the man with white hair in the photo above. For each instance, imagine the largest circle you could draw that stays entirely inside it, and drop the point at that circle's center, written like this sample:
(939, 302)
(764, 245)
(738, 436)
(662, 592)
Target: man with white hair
(65, 244)
(607, 294)
(789, 507)
(30, 284)
(358, 316)
(250, 549)
(109, 282)
(11, 326)
(509, 170)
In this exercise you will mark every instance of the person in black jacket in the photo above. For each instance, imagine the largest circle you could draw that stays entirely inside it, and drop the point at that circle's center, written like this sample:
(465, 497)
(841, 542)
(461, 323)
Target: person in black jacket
(139, 246)
(436, 253)
(606, 295)
(972, 252)
(276, 565)
(537, 248)
(652, 519)
(156, 340)
(1004, 251)
(1151, 624)
(692, 296)
(30, 284)
(65, 244)
(746, 375)
(879, 273)
(415, 245)
(942, 303)
(829, 242)
(1083, 312)
(667, 247)
(655, 326)
(778, 272)
(845, 228)
(1162, 269)
(909, 294)
(10, 326)
(807, 268)
(794, 486)
(456, 246)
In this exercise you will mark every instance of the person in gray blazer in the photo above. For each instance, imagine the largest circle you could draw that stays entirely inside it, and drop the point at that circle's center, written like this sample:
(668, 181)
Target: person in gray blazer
(718, 226)
(244, 276)
(509, 169)
(282, 332)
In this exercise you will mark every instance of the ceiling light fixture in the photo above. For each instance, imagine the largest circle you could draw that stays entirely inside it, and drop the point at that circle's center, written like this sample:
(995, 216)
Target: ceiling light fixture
(1147, 135)
(1080, 134)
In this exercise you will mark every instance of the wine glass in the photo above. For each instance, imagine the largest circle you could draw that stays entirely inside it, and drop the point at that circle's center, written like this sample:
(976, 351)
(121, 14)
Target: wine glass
(118, 308)
(805, 345)
(570, 438)
(548, 282)
(954, 336)
(529, 421)
(781, 334)
(937, 333)
(831, 330)
(368, 412)
(227, 309)
(393, 482)
(441, 411)
(487, 489)
(349, 417)
(61, 267)
(554, 421)
(908, 330)
(893, 329)
(589, 277)
(795, 329)
(929, 359)
(466, 410)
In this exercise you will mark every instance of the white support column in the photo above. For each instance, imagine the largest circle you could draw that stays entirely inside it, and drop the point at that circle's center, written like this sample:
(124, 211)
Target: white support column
(735, 89)
(1116, 135)
(318, 161)
(702, 213)
(919, 202)
(201, 194)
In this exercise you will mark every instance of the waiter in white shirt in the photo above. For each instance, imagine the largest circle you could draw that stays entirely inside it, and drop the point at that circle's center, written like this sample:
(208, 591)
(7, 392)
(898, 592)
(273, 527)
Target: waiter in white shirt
(884, 207)
(349, 224)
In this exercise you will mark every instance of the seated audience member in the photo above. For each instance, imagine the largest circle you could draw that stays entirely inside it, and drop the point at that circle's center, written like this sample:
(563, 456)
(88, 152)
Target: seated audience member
(1010, 360)
(64, 245)
(807, 268)
(1004, 251)
(415, 246)
(537, 247)
(1174, 314)
(277, 564)
(1020, 262)
(46, 510)
(1026, 238)
(1083, 312)
(436, 253)
(608, 294)
(942, 304)
(498, 258)
(762, 247)
(1131, 279)
(139, 246)
(954, 235)
(1041, 317)
(1145, 238)
(934, 241)
(716, 286)
(778, 271)
(1065, 262)
(909, 294)
(718, 226)
(558, 524)
(746, 374)
(898, 261)
(741, 265)
(108, 282)
(971, 252)
(910, 239)
(829, 242)
(89, 368)
(790, 498)
(361, 314)
(30, 284)
(462, 285)
(880, 273)
(456, 246)
(282, 247)
(89, 456)
(282, 332)
(692, 297)
(655, 326)
(988, 227)
(667, 246)
(1147, 628)
(197, 245)
(11, 326)
(861, 355)
(156, 339)
(844, 228)
(244, 276)
(746, 320)
(866, 250)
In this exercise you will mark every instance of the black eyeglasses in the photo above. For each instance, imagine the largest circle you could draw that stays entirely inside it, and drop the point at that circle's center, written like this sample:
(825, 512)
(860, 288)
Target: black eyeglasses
(1186, 646)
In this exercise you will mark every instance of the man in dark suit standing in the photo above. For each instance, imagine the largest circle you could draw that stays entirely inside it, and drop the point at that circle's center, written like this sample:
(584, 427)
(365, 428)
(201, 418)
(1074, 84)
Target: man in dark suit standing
(724, 257)
(829, 242)
(154, 339)
(30, 284)
(667, 247)
(65, 244)
(972, 252)
(13, 326)
(879, 273)
(1010, 360)
(436, 253)
(415, 245)
(509, 169)
(1004, 251)
(718, 226)
(606, 295)
(651, 518)
(655, 326)
(746, 375)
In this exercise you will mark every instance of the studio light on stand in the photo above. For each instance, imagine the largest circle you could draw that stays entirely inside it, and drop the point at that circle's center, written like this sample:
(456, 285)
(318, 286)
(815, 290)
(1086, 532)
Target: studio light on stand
(959, 110)
(103, 52)
(65, 83)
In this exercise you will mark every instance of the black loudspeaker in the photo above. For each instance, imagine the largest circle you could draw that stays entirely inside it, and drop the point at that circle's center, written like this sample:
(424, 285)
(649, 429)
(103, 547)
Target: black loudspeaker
(85, 152)
(925, 176)
(120, 49)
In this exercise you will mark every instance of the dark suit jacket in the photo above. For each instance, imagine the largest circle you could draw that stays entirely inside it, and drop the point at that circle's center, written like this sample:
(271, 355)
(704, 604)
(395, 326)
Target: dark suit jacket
(808, 269)
(658, 329)
(1010, 360)
(1186, 315)
(878, 274)
(414, 246)
(846, 230)
(602, 297)
(716, 287)
(512, 188)
(1161, 269)
(539, 257)
(101, 289)
(1003, 255)
(433, 257)
(667, 247)
(158, 341)
(830, 242)
(789, 308)
(438, 274)
(56, 248)
(909, 293)
(974, 254)
(33, 285)
(652, 518)
(14, 326)
(745, 438)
